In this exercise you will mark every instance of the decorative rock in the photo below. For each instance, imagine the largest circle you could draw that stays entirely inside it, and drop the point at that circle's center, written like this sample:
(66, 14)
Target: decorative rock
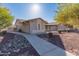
(15, 45)
(12, 43)
(17, 50)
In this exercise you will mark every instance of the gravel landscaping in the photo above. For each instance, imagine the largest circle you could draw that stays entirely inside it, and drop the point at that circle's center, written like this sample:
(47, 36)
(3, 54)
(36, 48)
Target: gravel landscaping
(68, 41)
(16, 45)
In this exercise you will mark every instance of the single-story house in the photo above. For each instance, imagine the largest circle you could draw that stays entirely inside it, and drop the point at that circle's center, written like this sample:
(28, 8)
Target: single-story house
(32, 25)
(37, 25)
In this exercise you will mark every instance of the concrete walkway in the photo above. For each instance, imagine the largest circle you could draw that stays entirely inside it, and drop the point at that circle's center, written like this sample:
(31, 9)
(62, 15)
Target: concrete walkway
(44, 48)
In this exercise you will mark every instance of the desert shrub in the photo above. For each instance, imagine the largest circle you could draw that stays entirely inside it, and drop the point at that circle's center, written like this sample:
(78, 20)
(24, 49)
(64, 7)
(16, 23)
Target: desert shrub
(2, 33)
(59, 31)
(50, 35)
(20, 30)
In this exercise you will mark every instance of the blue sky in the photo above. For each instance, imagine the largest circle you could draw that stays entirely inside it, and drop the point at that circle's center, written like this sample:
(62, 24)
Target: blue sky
(30, 10)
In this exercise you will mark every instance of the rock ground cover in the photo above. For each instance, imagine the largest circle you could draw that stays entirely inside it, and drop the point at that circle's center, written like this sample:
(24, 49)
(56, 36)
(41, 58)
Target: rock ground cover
(15, 45)
(68, 41)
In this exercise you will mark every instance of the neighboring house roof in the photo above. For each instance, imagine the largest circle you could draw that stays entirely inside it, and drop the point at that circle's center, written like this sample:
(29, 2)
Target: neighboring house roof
(52, 23)
(22, 20)
(18, 21)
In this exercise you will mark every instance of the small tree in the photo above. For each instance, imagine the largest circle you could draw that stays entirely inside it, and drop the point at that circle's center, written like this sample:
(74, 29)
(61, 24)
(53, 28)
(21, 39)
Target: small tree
(68, 14)
(5, 18)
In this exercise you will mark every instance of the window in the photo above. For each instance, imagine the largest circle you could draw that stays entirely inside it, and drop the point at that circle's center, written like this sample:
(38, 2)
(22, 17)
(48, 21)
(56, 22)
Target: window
(38, 26)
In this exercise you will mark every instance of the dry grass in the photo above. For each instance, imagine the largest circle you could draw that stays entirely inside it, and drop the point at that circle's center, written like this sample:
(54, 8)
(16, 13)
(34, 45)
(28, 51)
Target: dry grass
(71, 42)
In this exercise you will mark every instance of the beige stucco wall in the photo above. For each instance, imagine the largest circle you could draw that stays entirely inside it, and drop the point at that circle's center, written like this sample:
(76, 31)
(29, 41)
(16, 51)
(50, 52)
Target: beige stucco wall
(42, 25)
(34, 26)
(25, 27)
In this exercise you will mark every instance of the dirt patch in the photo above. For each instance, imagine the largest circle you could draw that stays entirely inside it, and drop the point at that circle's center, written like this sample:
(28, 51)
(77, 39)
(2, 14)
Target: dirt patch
(71, 42)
